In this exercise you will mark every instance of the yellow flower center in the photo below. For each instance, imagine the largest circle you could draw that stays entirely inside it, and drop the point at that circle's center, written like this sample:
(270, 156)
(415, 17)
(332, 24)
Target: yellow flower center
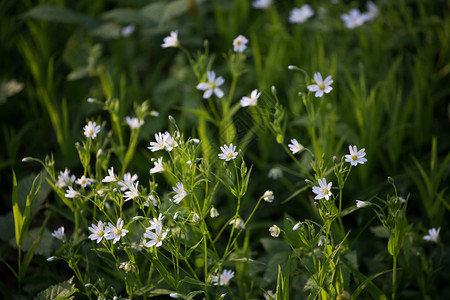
(354, 157)
(325, 191)
(321, 86)
(100, 233)
(91, 131)
(229, 155)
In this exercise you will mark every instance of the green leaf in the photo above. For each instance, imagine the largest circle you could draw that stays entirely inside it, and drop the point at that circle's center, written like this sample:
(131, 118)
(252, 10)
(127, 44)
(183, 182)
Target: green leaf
(18, 222)
(58, 14)
(123, 15)
(62, 290)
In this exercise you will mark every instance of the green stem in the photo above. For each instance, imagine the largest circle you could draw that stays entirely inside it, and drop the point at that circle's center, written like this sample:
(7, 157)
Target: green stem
(394, 276)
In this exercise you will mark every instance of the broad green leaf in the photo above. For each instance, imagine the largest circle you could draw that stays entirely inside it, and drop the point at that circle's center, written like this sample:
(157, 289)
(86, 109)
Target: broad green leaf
(58, 14)
(62, 290)
(123, 15)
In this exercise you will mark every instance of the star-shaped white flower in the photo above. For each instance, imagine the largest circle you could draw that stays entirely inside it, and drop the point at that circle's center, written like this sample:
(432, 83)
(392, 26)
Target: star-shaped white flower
(91, 130)
(433, 235)
(300, 15)
(156, 223)
(84, 181)
(71, 193)
(355, 157)
(321, 86)
(211, 85)
(252, 100)
(180, 193)
(323, 190)
(98, 232)
(59, 234)
(127, 181)
(156, 237)
(240, 44)
(274, 231)
(171, 40)
(132, 193)
(115, 232)
(228, 152)
(111, 176)
(65, 179)
(134, 122)
(224, 278)
(268, 196)
(295, 147)
(170, 142)
(353, 19)
(160, 143)
(158, 166)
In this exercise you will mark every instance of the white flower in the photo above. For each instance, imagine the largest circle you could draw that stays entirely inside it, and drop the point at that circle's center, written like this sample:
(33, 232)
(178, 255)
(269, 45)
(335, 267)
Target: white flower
(127, 266)
(274, 231)
(171, 40)
(295, 147)
(300, 15)
(211, 86)
(160, 142)
(175, 295)
(170, 142)
(270, 295)
(180, 193)
(83, 181)
(195, 141)
(252, 100)
(52, 258)
(98, 232)
(158, 166)
(275, 173)
(372, 12)
(213, 212)
(433, 235)
(91, 130)
(59, 234)
(361, 204)
(115, 232)
(239, 223)
(224, 278)
(65, 179)
(152, 199)
(261, 4)
(322, 240)
(127, 181)
(132, 193)
(323, 190)
(297, 226)
(156, 237)
(71, 193)
(353, 19)
(355, 157)
(111, 176)
(240, 43)
(156, 223)
(402, 199)
(134, 123)
(228, 152)
(268, 196)
(175, 216)
(321, 86)
(195, 218)
(127, 30)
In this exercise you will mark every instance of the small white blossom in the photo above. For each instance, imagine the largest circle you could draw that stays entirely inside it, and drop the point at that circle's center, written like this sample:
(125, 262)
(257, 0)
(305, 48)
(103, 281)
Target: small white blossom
(180, 193)
(295, 147)
(270, 295)
(213, 212)
(71, 193)
(170, 142)
(127, 30)
(171, 40)
(274, 231)
(127, 181)
(111, 176)
(353, 19)
(175, 216)
(433, 235)
(372, 12)
(195, 218)
(134, 123)
(156, 237)
(268, 196)
(83, 181)
(361, 204)
(224, 278)
(175, 295)
(402, 199)
(91, 130)
(240, 44)
(300, 15)
(98, 232)
(322, 240)
(275, 173)
(211, 85)
(261, 4)
(239, 223)
(252, 100)
(132, 193)
(64, 179)
(127, 266)
(115, 232)
(323, 190)
(228, 152)
(321, 86)
(355, 157)
(156, 223)
(158, 166)
(297, 226)
(160, 142)
(59, 234)
(52, 258)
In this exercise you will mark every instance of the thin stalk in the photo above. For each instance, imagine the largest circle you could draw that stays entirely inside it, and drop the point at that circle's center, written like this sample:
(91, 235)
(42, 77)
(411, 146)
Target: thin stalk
(394, 276)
